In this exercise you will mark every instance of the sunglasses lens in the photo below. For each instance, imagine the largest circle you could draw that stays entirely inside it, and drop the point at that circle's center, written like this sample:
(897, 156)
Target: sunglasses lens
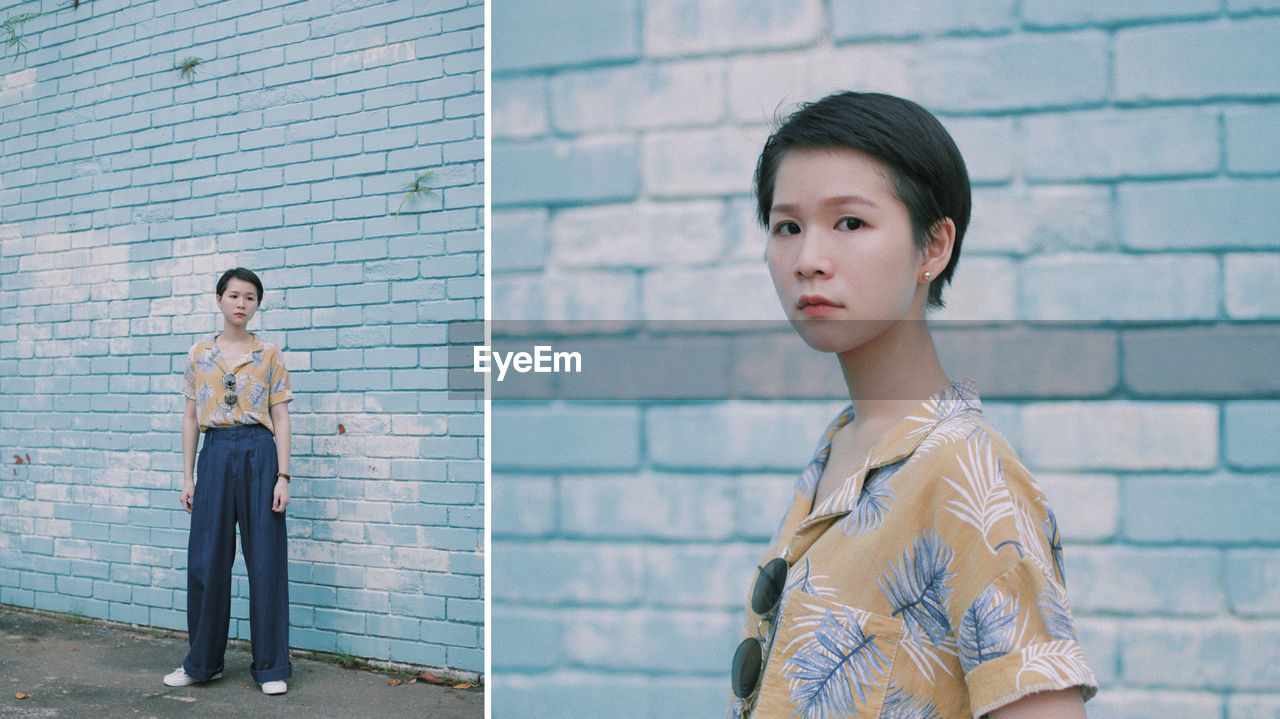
(746, 667)
(768, 589)
(230, 399)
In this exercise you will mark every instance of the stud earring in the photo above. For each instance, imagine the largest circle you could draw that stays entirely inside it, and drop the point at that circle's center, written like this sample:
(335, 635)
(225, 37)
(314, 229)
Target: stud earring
(928, 276)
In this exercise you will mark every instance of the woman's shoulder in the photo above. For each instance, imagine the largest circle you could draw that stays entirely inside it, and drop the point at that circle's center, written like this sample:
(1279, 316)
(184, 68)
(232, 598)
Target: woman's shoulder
(980, 493)
(969, 440)
(268, 353)
(265, 345)
(201, 345)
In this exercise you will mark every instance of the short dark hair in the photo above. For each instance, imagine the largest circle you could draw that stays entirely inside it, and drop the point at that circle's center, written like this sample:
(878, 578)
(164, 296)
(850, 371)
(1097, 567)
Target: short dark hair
(926, 169)
(240, 273)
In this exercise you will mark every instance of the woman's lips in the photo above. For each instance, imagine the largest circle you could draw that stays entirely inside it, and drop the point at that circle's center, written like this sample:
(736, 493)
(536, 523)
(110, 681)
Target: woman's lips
(813, 305)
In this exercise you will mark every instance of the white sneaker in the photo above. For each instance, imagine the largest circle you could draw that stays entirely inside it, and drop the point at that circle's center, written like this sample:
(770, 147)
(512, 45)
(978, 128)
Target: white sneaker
(179, 678)
(276, 687)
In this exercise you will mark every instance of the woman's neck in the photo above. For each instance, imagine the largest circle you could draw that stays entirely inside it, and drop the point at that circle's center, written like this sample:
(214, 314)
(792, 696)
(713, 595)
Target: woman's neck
(235, 335)
(893, 373)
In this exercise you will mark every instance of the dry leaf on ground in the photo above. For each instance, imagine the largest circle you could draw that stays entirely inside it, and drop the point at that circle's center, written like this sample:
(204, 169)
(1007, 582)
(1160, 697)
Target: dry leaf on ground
(22, 695)
(463, 685)
(431, 678)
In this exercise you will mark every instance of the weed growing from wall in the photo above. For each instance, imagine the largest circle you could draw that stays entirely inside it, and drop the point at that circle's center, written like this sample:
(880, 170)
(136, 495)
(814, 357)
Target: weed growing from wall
(417, 188)
(187, 68)
(11, 31)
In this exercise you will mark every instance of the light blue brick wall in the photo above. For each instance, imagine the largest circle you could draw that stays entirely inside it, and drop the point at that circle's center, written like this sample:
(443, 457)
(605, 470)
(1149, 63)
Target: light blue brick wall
(125, 190)
(1126, 168)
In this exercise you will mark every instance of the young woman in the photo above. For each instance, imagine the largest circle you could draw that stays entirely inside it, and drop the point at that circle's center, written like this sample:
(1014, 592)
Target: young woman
(237, 391)
(917, 572)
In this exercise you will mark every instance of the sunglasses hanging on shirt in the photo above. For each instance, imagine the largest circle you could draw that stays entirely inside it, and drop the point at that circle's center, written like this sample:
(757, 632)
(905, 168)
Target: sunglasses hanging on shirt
(748, 660)
(229, 381)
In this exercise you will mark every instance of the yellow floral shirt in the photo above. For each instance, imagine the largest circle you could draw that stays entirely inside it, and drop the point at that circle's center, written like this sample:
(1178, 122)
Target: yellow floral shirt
(261, 381)
(928, 585)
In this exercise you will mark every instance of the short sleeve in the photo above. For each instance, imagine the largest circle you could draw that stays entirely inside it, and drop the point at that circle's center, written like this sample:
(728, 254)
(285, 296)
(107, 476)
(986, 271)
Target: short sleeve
(278, 380)
(1018, 638)
(189, 376)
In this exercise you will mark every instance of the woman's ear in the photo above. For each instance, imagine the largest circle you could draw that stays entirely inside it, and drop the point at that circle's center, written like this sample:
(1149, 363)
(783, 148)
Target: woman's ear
(937, 254)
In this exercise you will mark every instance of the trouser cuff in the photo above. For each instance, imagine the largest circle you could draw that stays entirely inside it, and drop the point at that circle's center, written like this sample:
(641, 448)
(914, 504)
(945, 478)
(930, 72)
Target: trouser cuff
(271, 675)
(200, 675)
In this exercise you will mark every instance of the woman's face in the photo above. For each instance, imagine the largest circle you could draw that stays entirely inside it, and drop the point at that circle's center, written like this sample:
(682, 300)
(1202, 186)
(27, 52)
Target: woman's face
(238, 301)
(841, 250)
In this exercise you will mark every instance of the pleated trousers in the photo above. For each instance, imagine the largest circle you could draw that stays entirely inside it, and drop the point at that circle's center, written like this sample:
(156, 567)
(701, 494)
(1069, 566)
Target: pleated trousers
(235, 484)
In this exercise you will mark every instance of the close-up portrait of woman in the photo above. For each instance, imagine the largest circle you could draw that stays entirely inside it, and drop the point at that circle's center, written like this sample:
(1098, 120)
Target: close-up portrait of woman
(964, 413)
(918, 569)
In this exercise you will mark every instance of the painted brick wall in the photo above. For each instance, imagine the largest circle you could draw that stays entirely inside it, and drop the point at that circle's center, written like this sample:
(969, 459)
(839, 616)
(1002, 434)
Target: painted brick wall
(1126, 168)
(125, 190)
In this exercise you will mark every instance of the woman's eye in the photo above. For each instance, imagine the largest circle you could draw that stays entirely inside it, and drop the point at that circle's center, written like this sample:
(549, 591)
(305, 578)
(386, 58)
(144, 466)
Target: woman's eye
(786, 228)
(850, 223)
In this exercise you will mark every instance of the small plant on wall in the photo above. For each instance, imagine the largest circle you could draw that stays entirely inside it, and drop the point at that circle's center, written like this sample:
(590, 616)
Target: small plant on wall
(415, 189)
(11, 30)
(187, 68)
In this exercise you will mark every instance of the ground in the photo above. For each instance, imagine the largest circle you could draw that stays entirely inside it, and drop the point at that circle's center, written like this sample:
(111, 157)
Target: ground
(83, 669)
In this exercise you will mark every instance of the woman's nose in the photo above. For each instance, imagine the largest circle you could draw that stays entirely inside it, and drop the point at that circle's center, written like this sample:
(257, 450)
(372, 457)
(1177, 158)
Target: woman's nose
(813, 258)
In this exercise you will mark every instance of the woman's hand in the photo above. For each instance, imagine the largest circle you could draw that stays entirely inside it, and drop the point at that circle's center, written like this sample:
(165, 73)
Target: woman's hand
(283, 438)
(188, 493)
(190, 436)
(281, 495)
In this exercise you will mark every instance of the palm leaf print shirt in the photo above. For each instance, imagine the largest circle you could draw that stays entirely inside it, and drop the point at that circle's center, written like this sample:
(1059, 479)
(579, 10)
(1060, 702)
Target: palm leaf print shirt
(929, 585)
(261, 381)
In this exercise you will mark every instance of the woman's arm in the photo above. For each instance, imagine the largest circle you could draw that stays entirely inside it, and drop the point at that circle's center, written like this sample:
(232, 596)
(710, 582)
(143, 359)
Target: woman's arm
(1061, 704)
(284, 438)
(190, 435)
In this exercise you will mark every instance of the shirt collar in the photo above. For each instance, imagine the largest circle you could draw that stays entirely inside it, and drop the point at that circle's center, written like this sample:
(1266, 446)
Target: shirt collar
(958, 399)
(898, 444)
(216, 354)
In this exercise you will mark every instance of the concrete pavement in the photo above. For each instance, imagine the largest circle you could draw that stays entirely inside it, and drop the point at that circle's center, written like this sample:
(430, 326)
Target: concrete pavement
(98, 671)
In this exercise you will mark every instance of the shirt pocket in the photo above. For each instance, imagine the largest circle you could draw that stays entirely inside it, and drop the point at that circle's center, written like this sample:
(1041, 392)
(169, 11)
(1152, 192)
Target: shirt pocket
(828, 660)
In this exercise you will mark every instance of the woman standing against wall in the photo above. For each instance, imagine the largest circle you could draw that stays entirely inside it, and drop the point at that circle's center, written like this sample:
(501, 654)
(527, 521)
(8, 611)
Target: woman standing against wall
(237, 394)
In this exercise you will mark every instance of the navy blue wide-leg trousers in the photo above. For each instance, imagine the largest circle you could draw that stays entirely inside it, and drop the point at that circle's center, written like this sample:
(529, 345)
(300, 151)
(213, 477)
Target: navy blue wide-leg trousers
(236, 477)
